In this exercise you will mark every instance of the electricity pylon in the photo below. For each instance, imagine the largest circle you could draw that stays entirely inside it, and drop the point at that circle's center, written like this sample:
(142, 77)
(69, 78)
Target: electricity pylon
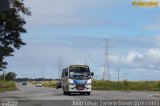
(106, 73)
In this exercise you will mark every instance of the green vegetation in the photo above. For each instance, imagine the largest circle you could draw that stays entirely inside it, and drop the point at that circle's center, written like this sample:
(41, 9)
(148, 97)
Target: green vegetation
(11, 28)
(114, 85)
(7, 86)
(126, 85)
(51, 84)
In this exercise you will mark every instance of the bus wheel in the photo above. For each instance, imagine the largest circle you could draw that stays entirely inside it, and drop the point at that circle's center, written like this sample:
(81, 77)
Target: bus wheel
(82, 93)
(88, 93)
(64, 92)
(68, 93)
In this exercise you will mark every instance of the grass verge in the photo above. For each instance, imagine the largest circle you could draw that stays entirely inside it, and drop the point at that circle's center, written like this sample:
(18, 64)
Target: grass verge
(126, 85)
(51, 84)
(7, 86)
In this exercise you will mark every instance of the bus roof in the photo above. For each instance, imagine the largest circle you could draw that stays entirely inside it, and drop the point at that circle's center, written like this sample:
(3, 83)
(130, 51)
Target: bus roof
(78, 66)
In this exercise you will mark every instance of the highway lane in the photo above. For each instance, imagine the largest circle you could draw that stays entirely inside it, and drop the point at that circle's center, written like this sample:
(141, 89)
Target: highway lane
(28, 93)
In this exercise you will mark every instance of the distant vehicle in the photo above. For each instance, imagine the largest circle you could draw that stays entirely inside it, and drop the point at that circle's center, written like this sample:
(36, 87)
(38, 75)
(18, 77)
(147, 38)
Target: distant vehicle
(18, 81)
(76, 79)
(38, 85)
(24, 83)
(59, 84)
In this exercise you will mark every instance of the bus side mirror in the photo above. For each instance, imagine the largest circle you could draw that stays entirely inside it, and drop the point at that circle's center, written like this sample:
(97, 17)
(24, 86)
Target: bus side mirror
(92, 73)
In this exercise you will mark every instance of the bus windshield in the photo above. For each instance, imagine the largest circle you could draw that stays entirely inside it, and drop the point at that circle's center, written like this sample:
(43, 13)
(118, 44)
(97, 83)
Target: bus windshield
(79, 73)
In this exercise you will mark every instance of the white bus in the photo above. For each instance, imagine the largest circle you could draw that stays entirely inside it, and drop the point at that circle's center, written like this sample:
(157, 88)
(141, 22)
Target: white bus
(76, 79)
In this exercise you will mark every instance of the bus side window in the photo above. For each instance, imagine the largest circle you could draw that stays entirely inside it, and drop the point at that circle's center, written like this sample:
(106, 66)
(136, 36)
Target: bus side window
(63, 73)
(66, 72)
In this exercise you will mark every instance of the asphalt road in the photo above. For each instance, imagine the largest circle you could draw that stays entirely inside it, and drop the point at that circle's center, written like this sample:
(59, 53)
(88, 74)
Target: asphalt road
(30, 95)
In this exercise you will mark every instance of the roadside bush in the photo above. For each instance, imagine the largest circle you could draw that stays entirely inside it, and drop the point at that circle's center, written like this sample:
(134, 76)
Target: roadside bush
(126, 85)
(7, 85)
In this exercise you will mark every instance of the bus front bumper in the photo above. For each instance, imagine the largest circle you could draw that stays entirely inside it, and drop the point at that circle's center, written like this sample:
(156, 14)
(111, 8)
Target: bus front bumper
(73, 88)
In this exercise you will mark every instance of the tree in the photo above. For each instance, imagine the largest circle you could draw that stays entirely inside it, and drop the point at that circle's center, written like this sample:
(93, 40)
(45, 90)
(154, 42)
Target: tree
(10, 76)
(11, 28)
(1, 77)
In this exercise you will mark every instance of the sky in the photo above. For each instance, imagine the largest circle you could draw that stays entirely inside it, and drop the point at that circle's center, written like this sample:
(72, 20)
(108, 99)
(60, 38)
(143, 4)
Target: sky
(75, 32)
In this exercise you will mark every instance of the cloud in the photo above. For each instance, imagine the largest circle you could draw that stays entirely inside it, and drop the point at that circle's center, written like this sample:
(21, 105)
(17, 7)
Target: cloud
(87, 50)
(153, 54)
(114, 58)
(154, 27)
(132, 56)
(68, 13)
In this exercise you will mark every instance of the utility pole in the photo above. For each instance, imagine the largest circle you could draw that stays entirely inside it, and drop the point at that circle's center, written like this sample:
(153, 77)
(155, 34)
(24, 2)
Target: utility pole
(59, 67)
(4, 75)
(126, 77)
(118, 75)
(106, 73)
(34, 76)
(43, 74)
